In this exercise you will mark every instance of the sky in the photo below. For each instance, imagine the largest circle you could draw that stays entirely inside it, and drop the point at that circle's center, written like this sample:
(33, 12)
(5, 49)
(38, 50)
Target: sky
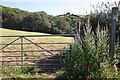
(54, 7)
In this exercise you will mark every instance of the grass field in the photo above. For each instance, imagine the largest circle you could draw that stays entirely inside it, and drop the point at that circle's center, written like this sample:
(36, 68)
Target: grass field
(8, 32)
(17, 32)
(56, 39)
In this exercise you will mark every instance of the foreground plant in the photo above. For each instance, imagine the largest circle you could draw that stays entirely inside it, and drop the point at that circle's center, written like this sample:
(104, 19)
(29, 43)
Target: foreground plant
(90, 56)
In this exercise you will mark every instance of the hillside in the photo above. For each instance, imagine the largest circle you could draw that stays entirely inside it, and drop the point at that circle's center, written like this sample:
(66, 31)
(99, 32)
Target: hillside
(17, 19)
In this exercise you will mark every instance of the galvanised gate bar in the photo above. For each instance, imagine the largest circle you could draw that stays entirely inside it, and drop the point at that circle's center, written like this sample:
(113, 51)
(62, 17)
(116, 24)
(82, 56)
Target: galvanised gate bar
(21, 51)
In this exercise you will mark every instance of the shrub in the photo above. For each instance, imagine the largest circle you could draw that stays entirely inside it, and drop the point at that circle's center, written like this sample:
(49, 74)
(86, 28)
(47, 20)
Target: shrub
(89, 57)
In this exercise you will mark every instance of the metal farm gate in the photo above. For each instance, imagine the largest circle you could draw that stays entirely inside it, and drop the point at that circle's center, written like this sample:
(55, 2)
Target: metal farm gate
(11, 57)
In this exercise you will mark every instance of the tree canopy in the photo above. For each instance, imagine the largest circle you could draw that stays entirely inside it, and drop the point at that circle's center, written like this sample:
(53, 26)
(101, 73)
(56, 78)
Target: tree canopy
(14, 18)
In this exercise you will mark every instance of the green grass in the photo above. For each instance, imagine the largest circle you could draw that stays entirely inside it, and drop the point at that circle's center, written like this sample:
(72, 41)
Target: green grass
(23, 72)
(54, 39)
(17, 32)
(82, 15)
(8, 32)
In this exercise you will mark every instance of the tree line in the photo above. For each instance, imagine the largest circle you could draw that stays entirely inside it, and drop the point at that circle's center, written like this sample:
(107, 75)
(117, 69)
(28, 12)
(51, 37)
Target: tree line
(14, 18)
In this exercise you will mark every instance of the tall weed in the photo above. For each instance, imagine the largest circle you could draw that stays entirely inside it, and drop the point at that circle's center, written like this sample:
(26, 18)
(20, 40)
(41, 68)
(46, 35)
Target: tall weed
(89, 56)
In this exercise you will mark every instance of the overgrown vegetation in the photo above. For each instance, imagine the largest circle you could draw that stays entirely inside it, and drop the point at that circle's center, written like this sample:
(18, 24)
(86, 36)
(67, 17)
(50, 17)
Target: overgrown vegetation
(89, 57)
(102, 14)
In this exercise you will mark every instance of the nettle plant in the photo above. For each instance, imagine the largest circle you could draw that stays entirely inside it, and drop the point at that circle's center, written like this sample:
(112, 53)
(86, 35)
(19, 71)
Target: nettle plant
(90, 55)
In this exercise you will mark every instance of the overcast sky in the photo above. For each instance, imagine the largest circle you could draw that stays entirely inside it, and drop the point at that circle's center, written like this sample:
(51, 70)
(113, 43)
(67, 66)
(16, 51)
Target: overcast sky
(54, 7)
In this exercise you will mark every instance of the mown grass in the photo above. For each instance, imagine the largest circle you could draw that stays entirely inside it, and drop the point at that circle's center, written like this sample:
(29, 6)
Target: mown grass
(55, 39)
(17, 72)
(7, 32)
(18, 32)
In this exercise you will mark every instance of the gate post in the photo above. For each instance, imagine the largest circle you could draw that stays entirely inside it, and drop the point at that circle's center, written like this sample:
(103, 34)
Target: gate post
(22, 51)
(113, 33)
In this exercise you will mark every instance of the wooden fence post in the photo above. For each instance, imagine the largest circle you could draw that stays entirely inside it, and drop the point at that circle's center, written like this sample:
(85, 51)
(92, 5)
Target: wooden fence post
(21, 51)
(113, 33)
